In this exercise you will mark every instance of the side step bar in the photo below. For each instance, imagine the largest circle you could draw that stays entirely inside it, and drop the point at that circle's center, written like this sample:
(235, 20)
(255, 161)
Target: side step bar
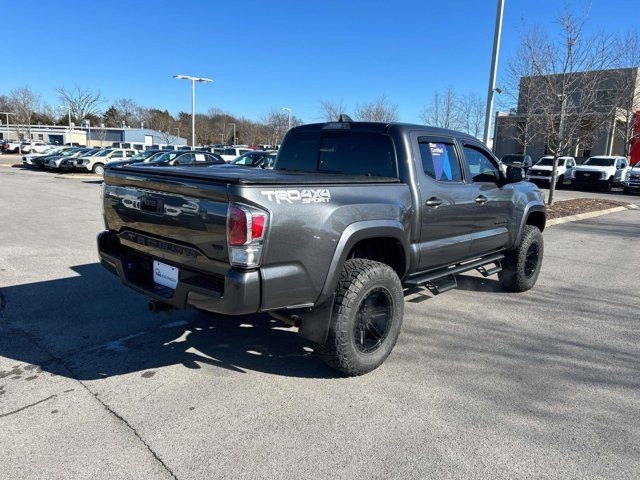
(443, 279)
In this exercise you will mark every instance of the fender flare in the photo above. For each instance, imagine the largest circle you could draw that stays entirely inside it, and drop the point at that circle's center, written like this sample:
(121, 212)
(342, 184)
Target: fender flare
(315, 324)
(528, 210)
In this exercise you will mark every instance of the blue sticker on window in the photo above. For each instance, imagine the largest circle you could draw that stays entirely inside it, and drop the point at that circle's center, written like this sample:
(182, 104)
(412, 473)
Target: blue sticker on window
(441, 163)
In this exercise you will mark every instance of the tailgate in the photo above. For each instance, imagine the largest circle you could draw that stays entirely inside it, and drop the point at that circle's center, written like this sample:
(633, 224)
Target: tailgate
(182, 223)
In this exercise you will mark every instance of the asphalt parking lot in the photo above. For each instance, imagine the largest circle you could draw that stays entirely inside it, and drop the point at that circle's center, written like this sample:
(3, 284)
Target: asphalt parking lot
(482, 384)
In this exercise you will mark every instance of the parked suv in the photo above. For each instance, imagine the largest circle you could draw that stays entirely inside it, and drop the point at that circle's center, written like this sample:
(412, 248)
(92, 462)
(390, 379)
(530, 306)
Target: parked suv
(228, 154)
(34, 147)
(352, 214)
(631, 181)
(541, 171)
(600, 172)
(522, 161)
(95, 163)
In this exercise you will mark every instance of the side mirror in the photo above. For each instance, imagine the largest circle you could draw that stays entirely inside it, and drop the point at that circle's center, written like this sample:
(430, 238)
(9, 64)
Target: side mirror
(515, 174)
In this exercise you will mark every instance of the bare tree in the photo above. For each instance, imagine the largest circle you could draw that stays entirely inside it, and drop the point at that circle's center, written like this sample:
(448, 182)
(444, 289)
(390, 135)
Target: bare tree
(330, 111)
(161, 121)
(124, 111)
(380, 110)
(83, 103)
(471, 110)
(24, 103)
(276, 124)
(627, 101)
(442, 111)
(564, 90)
(518, 90)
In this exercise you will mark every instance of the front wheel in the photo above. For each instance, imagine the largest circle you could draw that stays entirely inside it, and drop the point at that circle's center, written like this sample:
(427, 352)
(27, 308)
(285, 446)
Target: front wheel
(609, 186)
(98, 169)
(366, 318)
(560, 183)
(521, 267)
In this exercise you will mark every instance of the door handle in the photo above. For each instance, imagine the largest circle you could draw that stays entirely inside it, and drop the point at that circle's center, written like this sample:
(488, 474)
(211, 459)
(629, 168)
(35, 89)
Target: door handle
(481, 199)
(433, 202)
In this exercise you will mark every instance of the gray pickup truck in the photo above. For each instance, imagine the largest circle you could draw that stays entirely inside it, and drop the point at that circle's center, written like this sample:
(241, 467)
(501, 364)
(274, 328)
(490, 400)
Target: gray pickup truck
(352, 217)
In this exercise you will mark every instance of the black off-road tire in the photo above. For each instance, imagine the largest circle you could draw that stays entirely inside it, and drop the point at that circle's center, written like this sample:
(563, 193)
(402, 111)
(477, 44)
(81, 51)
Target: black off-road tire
(359, 280)
(517, 274)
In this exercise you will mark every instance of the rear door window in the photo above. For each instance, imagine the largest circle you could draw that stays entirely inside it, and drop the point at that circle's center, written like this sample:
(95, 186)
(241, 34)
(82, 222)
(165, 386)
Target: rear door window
(339, 152)
(440, 160)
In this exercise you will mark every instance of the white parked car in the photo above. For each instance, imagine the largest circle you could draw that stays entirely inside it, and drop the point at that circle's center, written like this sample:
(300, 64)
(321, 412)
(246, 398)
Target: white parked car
(12, 146)
(34, 147)
(600, 172)
(29, 159)
(631, 181)
(229, 154)
(541, 171)
(95, 163)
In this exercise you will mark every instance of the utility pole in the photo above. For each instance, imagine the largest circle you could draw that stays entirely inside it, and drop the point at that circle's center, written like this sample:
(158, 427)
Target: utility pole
(235, 140)
(494, 70)
(7, 117)
(193, 101)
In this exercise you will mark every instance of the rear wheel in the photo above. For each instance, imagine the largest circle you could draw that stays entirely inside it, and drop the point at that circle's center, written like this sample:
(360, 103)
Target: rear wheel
(521, 267)
(366, 319)
(98, 169)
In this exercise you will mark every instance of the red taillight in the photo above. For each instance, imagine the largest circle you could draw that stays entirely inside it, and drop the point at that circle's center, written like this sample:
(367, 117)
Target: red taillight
(237, 226)
(245, 225)
(257, 226)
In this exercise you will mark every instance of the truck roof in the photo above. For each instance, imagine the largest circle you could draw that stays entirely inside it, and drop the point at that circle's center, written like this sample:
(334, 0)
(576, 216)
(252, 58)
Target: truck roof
(384, 127)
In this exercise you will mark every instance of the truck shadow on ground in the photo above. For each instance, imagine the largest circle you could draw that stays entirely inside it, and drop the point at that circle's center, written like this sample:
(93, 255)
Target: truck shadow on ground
(89, 326)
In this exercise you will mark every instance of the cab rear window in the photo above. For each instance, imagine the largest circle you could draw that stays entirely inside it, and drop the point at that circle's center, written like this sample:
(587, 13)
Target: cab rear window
(339, 152)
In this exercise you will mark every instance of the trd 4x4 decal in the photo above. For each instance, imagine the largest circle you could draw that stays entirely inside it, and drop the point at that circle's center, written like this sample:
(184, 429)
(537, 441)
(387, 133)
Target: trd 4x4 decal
(321, 195)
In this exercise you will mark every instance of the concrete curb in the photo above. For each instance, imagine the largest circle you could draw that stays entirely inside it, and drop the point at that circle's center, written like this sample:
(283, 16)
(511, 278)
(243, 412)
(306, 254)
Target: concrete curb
(584, 216)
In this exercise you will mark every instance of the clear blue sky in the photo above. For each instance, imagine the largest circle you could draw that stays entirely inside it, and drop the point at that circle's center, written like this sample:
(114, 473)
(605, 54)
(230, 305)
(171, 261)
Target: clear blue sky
(264, 54)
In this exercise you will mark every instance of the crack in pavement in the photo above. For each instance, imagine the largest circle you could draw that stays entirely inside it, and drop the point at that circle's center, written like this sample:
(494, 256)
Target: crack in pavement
(104, 405)
(28, 406)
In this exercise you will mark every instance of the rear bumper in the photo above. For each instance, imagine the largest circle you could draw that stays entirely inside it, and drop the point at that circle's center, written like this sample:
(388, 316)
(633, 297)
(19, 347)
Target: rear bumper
(235, 293)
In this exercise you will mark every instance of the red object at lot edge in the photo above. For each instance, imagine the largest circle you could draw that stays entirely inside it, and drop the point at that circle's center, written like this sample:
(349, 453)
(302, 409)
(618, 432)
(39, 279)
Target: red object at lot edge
(635, 142)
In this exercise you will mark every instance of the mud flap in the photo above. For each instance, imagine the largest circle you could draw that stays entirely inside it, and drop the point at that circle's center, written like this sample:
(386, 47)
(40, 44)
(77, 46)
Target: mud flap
(315, 323)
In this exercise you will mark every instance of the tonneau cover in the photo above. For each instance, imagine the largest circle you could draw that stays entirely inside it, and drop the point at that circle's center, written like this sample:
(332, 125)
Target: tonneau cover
(245, 175)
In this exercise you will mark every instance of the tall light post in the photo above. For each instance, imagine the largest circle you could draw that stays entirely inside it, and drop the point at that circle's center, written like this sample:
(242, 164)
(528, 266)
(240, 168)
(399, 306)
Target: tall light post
(7, 117)
(193, 101)
(494, 69)
(289, 110)
(235, 141)
(68, 108)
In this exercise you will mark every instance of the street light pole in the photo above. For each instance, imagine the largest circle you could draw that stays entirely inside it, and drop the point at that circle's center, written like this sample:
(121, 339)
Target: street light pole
(7, 117)
(193, 101)
(494, 70)
(235, 140)
(289, 110)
